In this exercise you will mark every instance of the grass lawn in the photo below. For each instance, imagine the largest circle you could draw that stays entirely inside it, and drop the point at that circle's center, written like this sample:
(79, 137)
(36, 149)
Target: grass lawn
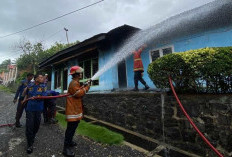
(95, 132)
(5, 89)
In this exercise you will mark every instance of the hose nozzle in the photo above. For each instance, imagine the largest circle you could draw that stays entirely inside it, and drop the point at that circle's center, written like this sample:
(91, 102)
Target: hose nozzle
(87, 82)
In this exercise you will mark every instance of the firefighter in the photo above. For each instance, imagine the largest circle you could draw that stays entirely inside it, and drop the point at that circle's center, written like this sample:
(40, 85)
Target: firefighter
(20, 107)
(138, 68)
(34, 108)
(74, 108)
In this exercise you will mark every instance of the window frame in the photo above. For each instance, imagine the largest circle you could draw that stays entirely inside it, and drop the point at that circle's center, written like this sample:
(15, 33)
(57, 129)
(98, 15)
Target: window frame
(91, 69)
(160, 51)
(57, 79)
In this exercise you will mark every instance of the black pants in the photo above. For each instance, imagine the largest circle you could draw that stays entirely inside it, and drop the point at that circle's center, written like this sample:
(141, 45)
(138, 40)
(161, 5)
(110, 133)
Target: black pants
(49, 108)
(70, 131)
(19, 112)
(33, 119)
(138, 77)
(45, 111)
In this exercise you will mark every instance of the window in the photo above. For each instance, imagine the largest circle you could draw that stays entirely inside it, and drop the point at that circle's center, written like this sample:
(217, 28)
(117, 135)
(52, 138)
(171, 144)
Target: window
(90, 67)
(154, 54)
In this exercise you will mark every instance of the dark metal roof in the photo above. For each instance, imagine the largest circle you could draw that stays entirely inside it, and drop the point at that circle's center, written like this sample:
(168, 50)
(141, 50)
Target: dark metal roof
(92, 43)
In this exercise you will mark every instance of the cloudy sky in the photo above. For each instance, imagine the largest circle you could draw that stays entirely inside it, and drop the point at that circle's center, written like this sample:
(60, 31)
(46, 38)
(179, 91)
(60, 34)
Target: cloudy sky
(16, 15)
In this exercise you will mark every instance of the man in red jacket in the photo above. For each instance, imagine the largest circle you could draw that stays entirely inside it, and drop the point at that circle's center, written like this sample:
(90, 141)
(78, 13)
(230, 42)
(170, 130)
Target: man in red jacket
(138, 68)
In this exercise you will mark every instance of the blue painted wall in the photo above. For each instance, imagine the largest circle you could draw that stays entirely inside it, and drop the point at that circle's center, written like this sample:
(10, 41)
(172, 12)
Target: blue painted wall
(215, 38)
(109, 79)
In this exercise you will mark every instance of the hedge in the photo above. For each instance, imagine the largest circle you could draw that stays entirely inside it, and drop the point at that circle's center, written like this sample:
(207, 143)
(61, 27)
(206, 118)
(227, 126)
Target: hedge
(207, 70)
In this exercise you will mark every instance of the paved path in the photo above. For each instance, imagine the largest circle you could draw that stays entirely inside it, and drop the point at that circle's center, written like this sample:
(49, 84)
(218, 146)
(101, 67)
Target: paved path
(49, 140)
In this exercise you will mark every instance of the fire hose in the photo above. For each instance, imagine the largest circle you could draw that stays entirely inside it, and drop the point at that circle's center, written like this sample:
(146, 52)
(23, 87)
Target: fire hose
(192, 123)
(45, 97)
(10, 125)
(35, 98)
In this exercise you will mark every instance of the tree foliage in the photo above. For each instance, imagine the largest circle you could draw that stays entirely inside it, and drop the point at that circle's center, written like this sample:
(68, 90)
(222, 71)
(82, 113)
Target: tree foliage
(4, 64)
(207, 70)
(35, 53)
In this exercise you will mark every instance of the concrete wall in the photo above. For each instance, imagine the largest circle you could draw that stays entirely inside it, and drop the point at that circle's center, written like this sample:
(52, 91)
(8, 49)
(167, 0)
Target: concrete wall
(141, 112)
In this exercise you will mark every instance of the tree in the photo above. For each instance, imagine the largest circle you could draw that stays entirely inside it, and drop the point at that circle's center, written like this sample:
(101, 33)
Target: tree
(4, 64)
(35, 53)
(28, 60)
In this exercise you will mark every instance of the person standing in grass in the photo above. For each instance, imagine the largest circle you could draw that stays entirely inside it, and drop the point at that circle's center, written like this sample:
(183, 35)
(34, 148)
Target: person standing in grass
(74, 108)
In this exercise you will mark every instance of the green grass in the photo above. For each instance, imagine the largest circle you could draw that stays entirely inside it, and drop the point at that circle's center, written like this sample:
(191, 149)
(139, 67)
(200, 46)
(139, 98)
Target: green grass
(5, 89)
(95, 132)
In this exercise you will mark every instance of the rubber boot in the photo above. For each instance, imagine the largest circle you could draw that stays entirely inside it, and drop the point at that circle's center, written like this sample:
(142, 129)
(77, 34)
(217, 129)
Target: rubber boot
(29, 149)
(68, 152)
(17, 124)
(135, 89)
(73, 144)
(52, 121)
(146, 87)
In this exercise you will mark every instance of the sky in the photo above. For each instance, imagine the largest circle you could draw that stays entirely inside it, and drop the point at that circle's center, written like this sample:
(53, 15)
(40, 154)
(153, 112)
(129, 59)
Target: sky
(17, 15)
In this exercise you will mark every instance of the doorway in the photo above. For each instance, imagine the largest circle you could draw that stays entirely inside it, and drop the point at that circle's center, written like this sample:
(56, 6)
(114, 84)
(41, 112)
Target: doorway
(122, 79)
(65, 79)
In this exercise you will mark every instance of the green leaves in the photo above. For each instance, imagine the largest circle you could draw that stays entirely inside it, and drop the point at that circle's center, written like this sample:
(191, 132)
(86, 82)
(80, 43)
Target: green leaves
(35, 53)
(207, 70)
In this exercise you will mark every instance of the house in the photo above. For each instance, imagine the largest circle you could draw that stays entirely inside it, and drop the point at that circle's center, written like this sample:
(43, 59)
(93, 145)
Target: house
(206, 26)
(91, 54)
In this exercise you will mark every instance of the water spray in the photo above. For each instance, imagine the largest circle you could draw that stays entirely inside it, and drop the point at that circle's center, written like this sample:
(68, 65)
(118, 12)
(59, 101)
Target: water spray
(216, 14)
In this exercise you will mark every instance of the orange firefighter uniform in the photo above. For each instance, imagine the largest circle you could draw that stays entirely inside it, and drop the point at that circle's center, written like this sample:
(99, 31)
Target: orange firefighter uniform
(74, 108)
(138, 64)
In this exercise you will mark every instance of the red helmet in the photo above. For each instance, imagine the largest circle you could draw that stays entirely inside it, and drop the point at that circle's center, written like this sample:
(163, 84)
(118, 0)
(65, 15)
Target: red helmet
(75, 69)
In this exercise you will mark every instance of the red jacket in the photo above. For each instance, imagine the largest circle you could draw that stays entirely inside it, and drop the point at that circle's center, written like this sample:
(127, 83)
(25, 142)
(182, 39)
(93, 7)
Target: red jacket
(138, 64)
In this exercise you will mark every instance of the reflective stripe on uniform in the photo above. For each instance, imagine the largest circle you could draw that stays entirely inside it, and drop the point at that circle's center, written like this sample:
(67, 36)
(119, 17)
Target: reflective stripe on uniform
(138, 69)
(138, 59)
(74, 116)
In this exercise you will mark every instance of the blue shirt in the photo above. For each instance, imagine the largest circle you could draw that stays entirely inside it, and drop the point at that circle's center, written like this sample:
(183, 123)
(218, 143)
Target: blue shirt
(51, 93)
(35, 90)
(23, 85)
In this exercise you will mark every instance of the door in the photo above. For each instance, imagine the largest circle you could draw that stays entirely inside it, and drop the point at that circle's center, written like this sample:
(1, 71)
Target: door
(65, 79)
(122, 80)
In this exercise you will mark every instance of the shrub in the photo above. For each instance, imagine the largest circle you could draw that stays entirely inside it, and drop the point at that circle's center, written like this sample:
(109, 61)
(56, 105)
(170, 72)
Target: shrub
(207, 70)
